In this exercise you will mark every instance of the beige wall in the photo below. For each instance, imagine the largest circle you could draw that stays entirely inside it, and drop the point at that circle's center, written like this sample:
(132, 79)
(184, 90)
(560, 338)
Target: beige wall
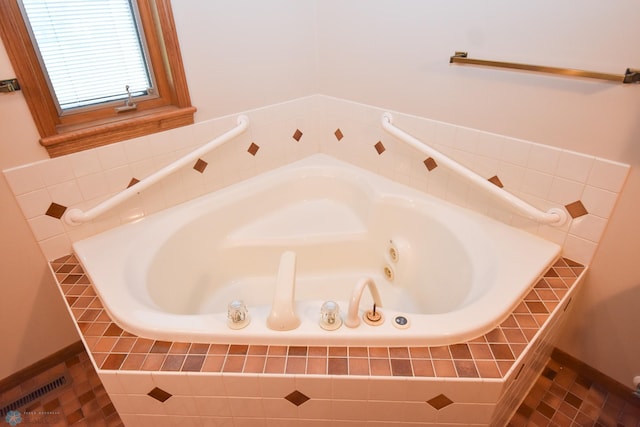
(241, 54)
(34, 322)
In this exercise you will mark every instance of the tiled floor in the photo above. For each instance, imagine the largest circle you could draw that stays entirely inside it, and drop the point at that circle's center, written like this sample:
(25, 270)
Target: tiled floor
(560, 397)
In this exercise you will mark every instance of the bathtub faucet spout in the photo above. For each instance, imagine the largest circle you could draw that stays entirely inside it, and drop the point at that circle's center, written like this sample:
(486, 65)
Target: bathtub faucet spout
(353, 320)
(283, 316)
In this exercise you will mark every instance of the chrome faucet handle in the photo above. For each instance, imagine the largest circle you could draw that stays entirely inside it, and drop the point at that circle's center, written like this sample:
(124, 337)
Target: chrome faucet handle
(330, 316)
(237, 314)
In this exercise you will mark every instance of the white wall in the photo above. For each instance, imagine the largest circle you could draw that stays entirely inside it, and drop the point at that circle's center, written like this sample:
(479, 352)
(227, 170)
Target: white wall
(394, 54)
(244, 54)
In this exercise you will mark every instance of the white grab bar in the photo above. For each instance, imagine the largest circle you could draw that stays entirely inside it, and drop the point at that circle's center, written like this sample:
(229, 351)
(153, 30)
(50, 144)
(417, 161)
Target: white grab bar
(76, 216)
(554, 216)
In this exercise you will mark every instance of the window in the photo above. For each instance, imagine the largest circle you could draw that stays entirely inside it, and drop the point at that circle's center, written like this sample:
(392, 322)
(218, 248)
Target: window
(134, 86)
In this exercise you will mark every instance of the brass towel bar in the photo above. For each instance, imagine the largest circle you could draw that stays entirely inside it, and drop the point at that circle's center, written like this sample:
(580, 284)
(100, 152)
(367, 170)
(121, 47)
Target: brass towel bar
(630, 76)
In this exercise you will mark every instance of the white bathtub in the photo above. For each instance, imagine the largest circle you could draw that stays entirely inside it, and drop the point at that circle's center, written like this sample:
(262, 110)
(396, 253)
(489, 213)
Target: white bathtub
(171, 275)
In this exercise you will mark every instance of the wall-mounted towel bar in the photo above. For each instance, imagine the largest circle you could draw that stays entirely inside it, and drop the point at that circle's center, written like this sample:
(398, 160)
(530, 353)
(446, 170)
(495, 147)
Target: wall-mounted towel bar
(630, 75)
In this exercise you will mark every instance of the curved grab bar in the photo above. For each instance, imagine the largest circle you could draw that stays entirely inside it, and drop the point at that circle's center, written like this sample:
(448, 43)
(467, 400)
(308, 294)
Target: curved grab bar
(554, 216)
(76, 216)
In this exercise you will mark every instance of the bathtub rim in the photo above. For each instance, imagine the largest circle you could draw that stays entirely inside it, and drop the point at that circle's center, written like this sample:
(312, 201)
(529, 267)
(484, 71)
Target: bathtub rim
(538, 258)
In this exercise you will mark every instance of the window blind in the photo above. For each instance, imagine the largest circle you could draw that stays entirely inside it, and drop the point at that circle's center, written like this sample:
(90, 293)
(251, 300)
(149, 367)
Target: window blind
(91, 50)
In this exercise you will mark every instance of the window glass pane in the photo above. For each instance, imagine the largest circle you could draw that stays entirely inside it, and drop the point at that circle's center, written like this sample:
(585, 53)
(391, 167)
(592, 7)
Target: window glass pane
(91, 49)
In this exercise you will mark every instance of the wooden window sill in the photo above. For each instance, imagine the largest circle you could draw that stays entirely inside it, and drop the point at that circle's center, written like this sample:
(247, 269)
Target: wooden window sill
(72, 139)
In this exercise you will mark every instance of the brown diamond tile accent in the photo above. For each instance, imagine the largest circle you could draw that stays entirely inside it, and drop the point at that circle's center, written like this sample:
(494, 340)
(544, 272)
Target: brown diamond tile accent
(297, 135)
(496, 181)
(576, 209)
(200, 165)
(338, 134)
(253, 148)
(159, 394)
(430, 163)
(133, 182)
(440, 401)
(297, 398)
(55, 210)
(379, 147)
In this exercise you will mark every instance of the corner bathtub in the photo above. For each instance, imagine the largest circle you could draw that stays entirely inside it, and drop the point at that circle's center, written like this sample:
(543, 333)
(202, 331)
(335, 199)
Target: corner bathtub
(457, 274)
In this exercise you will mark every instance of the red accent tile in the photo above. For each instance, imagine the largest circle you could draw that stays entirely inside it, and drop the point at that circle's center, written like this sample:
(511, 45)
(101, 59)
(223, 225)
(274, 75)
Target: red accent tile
(113, 361)
(338, 134)
(113, 330)
(419, 352)
(422, 368)
(338, 366)
(297, 351)
(200, 165)
(576, 209)
(173, 362)
(234, 363)
(213, 363)
(197, 348)
(466, 369)
(460, 351)
(296, 365)
(218, 349)
(401, 368)
(496, 181)
(159, 394)
(440, 401)
(133, 362)
(253, 149)
(297, 135)
(380, 367)
(318, 351)
(358, 352)
(277, 350)
(153, 362)
(444, 368)
(430, 163)
(378, 352)
(358, 366)
(399, 352)
(275, 365)
(160, 347)
(179, 348)
(440, 352)
(255, 364)
(379, 147)
(297, 398)
(142, 345)
(55, 210)
(501, 352)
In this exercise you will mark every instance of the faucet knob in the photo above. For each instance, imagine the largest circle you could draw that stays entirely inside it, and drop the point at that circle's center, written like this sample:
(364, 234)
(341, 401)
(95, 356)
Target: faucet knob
(330, 316)
(237, 314)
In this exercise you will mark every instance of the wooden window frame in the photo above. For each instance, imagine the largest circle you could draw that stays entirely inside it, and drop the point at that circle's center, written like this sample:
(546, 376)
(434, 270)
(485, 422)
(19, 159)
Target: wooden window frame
(65, 134)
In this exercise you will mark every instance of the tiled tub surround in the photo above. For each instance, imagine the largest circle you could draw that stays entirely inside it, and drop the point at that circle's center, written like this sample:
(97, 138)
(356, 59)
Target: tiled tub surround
(544, 176)
(480, 382)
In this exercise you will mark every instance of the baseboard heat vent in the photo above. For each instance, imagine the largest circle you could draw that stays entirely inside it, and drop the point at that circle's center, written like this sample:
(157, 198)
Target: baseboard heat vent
(35, 395)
